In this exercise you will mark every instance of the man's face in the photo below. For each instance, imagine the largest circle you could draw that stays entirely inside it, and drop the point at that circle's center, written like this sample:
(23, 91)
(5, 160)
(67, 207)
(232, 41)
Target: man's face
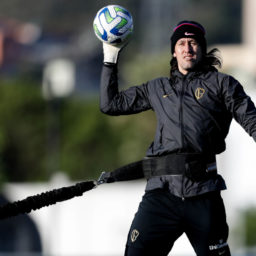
(188, 54)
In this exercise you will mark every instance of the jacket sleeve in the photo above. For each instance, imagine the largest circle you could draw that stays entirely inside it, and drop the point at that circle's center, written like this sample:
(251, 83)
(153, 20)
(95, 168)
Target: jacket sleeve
(112, 102)
(240, 105)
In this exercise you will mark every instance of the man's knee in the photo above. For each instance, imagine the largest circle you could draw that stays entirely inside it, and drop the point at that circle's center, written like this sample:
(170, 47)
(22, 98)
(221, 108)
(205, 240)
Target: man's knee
(131, 251)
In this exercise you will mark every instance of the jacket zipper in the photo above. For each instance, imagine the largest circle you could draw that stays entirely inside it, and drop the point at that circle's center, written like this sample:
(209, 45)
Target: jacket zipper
(184, 83)
(181, 119)
(181, 111)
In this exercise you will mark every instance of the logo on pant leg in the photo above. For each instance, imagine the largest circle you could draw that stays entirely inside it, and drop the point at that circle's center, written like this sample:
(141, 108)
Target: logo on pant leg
(135, 233)
(220, 249)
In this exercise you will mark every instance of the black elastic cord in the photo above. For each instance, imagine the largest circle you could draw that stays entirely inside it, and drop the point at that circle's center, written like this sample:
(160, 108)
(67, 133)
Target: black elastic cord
(44, 199)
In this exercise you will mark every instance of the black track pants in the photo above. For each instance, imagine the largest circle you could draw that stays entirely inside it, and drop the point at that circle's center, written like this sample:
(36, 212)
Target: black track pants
(162, 218)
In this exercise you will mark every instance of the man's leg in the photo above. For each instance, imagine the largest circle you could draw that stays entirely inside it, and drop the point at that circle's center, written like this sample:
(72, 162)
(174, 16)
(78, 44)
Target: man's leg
(156, 225)
(206, 225)
(132, 251)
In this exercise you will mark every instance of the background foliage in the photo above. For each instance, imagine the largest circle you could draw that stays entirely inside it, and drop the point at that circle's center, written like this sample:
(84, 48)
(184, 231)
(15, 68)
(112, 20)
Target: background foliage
(71, 135)
(39, 137)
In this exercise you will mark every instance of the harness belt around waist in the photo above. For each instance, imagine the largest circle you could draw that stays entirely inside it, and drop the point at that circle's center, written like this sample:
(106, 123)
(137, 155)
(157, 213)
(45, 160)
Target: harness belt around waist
(197, 167)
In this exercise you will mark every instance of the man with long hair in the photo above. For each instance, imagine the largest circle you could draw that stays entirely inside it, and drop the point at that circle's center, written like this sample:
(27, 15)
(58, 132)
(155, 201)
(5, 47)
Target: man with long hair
(194, 108)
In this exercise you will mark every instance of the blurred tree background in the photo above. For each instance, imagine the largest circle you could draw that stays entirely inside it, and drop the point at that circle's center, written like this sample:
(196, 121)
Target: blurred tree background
(40, 136)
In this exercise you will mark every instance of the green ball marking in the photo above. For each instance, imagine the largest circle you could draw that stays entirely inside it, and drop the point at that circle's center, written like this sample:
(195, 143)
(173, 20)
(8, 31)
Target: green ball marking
(108, 17)
(122, 23)
(118, 9)
(97, 30)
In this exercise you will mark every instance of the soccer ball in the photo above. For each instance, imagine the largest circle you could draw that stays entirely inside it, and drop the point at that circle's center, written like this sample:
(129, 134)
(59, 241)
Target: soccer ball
(113, 24)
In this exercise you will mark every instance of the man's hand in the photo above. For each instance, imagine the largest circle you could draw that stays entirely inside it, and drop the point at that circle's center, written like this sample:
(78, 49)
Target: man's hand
(111, 52)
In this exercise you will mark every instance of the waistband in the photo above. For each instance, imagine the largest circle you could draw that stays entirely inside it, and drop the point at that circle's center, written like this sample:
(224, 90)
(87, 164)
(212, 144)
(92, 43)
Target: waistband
(194, 166)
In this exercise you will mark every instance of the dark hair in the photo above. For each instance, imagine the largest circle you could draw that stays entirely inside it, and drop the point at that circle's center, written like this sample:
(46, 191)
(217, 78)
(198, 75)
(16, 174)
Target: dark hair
(209, 61)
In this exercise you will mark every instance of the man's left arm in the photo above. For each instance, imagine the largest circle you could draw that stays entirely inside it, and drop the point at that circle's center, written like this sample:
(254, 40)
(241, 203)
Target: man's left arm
(241, 106)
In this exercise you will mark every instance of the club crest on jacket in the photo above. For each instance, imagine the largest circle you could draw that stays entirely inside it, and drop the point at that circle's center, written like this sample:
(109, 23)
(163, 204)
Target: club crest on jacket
(199, 93)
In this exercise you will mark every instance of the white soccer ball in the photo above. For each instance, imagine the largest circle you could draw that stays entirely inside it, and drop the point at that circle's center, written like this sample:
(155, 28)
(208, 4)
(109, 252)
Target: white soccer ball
(113, 24)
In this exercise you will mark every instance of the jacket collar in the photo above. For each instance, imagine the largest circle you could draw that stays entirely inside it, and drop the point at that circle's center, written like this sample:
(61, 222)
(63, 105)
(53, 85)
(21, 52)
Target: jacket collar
(178, 75)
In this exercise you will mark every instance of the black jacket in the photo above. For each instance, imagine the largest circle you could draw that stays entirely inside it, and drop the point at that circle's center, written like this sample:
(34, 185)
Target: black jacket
(193, 112)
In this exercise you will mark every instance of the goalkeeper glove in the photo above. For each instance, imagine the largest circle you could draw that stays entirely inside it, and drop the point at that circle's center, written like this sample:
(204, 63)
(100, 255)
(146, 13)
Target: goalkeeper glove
(111, 52)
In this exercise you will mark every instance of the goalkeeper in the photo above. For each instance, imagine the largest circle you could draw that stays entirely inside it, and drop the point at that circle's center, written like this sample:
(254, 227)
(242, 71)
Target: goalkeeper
(194, 108)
